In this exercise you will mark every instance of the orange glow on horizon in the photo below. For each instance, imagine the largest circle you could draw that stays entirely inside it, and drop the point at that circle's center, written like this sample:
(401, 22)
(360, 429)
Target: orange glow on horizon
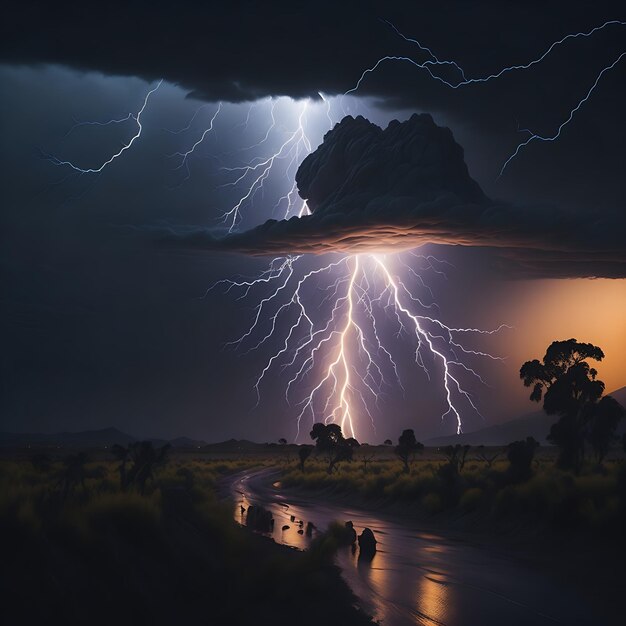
(589, 310)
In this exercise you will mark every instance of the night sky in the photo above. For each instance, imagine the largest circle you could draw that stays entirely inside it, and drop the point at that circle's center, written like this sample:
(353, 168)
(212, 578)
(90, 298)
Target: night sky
(105, 323)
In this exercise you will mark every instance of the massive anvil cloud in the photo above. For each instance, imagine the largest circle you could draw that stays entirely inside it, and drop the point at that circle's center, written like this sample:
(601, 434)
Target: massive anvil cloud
(371, 189)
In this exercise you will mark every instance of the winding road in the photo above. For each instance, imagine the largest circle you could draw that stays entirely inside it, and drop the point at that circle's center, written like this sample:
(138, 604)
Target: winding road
(417, 577)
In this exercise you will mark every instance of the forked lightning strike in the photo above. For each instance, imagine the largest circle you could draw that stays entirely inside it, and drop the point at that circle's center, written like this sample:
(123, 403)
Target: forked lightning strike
(124, 148)
(292, 150)
(340, 348)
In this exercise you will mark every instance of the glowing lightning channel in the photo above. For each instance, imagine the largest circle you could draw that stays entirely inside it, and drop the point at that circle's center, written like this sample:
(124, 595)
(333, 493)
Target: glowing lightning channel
(335, 341)
(123, 149)
(345, 346)
(296, 144)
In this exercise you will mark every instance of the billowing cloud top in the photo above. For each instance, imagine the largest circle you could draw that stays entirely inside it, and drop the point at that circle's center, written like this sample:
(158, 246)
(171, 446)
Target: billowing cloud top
(371, 189)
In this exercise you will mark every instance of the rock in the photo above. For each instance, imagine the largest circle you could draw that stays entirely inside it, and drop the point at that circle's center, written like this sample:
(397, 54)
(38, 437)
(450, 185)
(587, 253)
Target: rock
(310, 527)
(259, 519)
(286, 527)
(293, 518)
(350, 533)
(300, 532)
(367, 543)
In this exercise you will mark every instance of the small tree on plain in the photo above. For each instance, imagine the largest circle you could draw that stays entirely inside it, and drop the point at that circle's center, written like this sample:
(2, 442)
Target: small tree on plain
(304, 452)
(408, 446)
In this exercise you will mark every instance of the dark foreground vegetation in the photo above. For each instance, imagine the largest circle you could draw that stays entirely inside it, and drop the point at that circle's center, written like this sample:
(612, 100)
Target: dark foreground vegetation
(470, 489)
(137, 534)
(140, 540)
(576, 485)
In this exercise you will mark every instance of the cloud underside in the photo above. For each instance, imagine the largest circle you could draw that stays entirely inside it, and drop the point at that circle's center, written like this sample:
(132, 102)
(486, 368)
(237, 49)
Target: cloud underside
(375, 190)
(512, 253)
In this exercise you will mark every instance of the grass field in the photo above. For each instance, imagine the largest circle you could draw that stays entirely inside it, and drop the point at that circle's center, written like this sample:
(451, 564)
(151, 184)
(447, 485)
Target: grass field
(77, 541)
(98, 554)
(482, 496)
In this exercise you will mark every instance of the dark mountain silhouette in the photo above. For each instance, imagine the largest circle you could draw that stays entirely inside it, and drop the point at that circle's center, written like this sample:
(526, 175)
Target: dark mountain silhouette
(187, 442)
(234, 445)
(536, 424)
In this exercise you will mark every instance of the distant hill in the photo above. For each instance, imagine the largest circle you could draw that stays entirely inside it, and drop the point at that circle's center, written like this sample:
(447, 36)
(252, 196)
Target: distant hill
(186, 442)
(536, 424)
(234, 445)
(104, 437)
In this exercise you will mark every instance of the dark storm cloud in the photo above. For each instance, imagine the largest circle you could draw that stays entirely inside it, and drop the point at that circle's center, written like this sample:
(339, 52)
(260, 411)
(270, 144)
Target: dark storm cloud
(371, 189)
(242, 51)
(246, 50)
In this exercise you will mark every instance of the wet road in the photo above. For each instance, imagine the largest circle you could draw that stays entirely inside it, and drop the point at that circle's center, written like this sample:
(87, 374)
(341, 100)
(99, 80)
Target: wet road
(417, 577)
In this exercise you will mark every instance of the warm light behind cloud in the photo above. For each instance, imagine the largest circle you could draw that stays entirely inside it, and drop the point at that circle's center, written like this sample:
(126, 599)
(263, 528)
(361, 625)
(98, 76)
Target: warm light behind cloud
(590, 310)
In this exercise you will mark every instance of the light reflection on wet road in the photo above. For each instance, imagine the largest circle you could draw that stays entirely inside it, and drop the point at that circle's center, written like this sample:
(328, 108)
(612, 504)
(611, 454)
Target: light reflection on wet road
(416, 577)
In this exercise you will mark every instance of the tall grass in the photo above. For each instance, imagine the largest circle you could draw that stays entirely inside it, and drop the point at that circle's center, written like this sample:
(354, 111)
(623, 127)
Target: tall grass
(550, 498)
(102, 555)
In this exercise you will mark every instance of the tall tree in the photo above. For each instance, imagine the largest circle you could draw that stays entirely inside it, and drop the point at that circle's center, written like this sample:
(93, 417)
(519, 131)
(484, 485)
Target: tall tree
(570, 389)
(329, 441)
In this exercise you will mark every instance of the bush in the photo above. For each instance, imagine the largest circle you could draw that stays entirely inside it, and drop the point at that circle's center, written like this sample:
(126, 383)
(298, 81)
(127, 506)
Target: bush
(471, 499)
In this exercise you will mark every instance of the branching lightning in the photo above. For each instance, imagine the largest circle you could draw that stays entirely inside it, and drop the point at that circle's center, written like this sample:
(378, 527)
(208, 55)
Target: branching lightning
(339, 351)
(254, 174)
(329, 327)
(184, 156)
(461, 81)
(135, 116)
(536, 137)
(340, 335)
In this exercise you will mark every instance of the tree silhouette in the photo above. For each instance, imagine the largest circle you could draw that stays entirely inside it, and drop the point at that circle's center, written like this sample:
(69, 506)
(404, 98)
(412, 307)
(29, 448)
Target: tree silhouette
(73, 473)
(605, 418)
(121, 454)
(456, 456)
(304, 452)
(282, 441)
(388, 442)
(367, 455)
(521, 455)
(329, 440)
(481, 455)
(407, 448)
(145, 459)
(569, 388)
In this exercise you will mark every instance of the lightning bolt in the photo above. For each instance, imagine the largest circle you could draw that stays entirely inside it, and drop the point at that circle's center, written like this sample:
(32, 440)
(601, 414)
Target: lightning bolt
(434, 62)
(124, 148)
(342, 349)
(254, 174)
(184, 156)
(557, 134)
(328, 324)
